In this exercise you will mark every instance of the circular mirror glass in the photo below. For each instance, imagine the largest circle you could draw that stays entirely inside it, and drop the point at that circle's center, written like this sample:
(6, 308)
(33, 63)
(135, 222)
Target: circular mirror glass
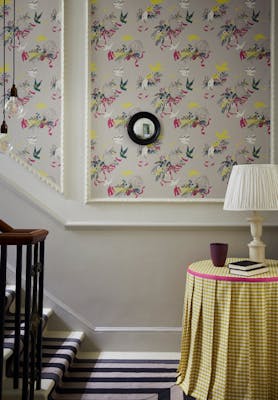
(143, 128)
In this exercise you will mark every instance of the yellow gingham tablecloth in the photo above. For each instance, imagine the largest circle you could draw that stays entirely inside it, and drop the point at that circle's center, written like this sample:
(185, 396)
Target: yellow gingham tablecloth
(229, 346)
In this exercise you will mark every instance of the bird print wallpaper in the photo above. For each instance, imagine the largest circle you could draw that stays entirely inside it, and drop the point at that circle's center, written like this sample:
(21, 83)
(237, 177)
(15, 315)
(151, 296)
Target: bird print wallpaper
(202, 68)
(33, 59)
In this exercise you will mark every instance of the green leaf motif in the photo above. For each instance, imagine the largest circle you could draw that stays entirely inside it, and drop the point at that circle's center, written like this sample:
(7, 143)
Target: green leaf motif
(256, 152)
(36, 153)
(255, 84)
(189, 84)
(189, 152)
(255, 16)
(37, 85)
(123, 17)
(123, 152)
(37, 17)
(123, 84)
(189, 17)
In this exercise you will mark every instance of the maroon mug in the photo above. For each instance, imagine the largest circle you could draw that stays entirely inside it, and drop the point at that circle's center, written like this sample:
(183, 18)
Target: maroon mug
(218, 253)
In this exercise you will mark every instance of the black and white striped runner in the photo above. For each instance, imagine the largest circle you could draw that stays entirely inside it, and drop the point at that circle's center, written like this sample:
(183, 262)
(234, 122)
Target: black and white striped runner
(109, 379)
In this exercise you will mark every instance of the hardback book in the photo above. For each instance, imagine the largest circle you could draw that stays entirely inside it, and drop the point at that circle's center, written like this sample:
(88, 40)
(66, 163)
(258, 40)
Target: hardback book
(245, 265)
(256, 271)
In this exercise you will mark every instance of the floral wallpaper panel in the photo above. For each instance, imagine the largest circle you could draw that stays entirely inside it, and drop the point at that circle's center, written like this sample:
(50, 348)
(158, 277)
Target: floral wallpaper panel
(35, 136)
(203, 68)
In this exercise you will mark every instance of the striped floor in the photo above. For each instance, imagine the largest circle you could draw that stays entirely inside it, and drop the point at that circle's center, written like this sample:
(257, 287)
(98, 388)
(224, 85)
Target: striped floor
(109, 379)
(96, 379)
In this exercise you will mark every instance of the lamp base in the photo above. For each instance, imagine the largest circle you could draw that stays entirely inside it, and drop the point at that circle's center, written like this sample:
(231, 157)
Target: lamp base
(257, 252)
(256, 246)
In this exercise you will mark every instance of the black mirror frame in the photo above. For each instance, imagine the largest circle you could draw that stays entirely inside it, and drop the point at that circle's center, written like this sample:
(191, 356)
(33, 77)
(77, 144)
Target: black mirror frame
(132, 121)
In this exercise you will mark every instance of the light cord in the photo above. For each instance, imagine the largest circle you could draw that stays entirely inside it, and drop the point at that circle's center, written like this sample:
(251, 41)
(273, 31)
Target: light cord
(4, 59)
(14, 46)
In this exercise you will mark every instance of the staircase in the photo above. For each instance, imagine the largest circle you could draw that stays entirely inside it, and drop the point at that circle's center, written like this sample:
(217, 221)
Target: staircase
(31, 358)
(41, 364)
(58, 351)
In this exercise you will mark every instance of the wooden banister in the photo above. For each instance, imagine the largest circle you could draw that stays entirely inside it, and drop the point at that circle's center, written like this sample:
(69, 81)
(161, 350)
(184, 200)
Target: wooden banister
(33, 239)
(11, 236)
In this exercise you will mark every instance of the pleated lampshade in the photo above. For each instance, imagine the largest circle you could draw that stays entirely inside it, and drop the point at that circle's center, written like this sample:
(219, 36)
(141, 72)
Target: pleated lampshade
(252, 187)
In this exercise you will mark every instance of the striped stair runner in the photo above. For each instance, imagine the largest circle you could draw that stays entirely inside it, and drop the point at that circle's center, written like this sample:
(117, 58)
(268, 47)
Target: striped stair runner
(9, 297)
(58, 349)
(109, 379)
(67, 375)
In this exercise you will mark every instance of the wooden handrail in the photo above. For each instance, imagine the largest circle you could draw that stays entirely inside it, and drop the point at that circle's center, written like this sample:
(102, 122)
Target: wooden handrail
(4, 227)
(11, 236)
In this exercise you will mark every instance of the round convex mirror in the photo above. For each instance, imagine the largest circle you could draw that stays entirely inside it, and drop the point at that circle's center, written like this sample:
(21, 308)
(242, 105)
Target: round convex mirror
(143, 128)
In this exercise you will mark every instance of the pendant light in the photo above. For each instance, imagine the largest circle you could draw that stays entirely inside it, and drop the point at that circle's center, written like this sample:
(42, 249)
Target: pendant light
(14, 106)
(5, 146)
(4, 126)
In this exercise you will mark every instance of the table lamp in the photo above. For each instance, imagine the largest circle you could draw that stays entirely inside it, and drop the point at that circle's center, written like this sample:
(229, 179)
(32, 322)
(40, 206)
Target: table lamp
(253, 187)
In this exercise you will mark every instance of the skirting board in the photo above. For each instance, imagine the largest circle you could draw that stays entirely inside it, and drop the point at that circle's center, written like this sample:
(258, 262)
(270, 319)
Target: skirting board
(134, 338)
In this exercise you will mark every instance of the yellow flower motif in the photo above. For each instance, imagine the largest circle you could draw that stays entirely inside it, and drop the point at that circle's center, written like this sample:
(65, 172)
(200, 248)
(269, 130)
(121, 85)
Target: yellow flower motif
(223, 67)
(259, 36)
(127, 105)
(193, 172)
(225, 171)
(93, 134)
(155, 68)
(259, 104)
(192, 104)
(127, 172)
(40, 106)
(156, 2)
(127, 38)
(43, 173)
(93, 67)
(193, 37)
(41, 38)
(223, 135)
(7, 68)
(186, 190)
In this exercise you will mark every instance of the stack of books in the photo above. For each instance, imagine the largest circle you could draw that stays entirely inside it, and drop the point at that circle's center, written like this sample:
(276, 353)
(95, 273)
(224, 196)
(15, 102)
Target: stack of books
(247, 268)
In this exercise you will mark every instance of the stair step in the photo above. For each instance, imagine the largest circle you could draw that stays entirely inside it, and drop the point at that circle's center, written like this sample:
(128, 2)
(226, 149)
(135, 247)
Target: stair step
(59, 349)
(9, 296)
(9, 336)
(10, 327)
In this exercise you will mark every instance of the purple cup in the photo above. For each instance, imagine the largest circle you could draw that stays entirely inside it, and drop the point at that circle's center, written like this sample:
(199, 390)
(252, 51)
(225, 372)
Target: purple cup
(218, 253)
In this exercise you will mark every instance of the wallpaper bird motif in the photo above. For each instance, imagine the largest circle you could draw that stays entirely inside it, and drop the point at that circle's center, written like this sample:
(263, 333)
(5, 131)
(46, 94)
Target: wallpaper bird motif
(203, 68)
(35, 135)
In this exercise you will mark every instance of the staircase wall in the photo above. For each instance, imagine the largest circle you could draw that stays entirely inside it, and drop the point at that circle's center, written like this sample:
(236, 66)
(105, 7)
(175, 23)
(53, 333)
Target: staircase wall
(116, 270)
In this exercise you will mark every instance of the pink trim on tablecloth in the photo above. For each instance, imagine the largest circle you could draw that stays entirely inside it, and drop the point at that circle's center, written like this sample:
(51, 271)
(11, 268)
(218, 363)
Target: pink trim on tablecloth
(232, 278)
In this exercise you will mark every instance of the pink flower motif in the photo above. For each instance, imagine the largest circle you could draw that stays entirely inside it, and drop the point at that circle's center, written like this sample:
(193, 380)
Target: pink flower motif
(110, 123)
(242, 55)
(177, 122)
(24, 55)
(24, 123)
(110, 55)
(110, 191)
(177, 55)
(177, 191)
(243, 122)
